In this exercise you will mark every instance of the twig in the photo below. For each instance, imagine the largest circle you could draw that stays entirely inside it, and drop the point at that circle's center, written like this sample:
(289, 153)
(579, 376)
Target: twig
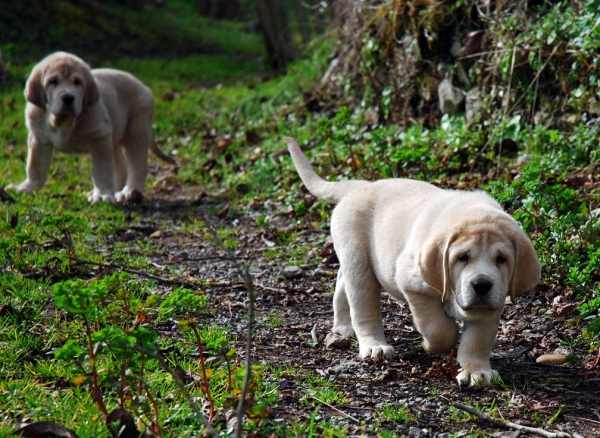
(247, 278)
(96, 394)
(583, 419)
(205, 386)
(374, 83)
(131, 270)
(510, 425)
(156, 355)
(505, 109)
(335, 409)
(534, 81)
(410, 353)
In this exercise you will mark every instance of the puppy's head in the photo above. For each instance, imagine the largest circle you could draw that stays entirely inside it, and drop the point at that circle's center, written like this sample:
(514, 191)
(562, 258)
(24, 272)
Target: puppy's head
(478, 261)
(62, 84)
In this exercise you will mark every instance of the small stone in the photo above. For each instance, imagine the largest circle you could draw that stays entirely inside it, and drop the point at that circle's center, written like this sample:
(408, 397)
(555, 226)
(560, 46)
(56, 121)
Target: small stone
(415, 431)
(523, 159)
(291, 272)
(450, 97)
(552, 359)
(158, 234)
(336, 341)
(344, 366)
(136, 197)
(472, 105)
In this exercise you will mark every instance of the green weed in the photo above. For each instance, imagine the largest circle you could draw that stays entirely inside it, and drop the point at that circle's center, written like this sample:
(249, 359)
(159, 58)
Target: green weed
(397, 414)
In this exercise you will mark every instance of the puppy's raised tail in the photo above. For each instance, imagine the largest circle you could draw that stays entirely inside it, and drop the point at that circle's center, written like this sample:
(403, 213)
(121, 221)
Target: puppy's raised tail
(330, 191)
(161, 154)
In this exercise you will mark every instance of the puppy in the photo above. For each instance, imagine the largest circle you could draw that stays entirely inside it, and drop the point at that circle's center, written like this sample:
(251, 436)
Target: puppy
(451, 255)
(105, 113)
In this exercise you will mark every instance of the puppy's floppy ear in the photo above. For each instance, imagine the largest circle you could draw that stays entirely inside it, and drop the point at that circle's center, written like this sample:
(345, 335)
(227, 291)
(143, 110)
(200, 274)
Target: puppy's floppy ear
(34, 89)
(434, 266)
(528, 271)
(91, 88)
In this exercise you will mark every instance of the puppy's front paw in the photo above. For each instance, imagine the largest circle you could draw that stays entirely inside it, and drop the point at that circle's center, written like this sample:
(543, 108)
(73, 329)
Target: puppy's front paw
(98, 196)
(477, 377)
(26, 186)
(344, 331)
(381, 351)
(127, 194)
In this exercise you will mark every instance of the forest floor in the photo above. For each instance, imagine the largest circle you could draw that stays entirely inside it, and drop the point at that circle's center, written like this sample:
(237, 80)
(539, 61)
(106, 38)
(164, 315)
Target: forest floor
(295, 316)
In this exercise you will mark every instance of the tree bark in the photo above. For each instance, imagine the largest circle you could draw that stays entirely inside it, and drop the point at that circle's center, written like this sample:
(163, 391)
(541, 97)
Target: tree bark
(302, 18)
(277, 33)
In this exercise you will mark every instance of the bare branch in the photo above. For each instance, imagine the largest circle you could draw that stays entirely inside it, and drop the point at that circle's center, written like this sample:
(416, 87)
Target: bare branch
(507, 424)
(247, 278)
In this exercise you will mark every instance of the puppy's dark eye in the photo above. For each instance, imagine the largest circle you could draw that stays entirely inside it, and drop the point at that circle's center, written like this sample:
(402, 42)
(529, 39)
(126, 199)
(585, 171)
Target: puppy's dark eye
(463, 258)
(53, 82)
(76, 82)
(500, 260)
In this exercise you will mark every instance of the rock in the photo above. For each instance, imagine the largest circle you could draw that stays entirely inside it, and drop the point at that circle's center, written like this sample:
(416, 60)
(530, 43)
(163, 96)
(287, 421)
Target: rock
(344, 366)
(450, 97)
(255, 272)
(333, 340)
(472, 105)
(552, 359)
(415, 431)
(291, 272)
(158, 234)
(523, 159)
(136, 197)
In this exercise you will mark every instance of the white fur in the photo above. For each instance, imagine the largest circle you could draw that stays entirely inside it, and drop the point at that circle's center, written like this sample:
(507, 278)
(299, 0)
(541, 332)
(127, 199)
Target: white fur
(105, 113)
(406, 237)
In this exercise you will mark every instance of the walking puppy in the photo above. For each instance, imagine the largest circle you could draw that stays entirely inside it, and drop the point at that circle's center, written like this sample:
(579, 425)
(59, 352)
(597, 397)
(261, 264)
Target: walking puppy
(106, 113)
(451, 255)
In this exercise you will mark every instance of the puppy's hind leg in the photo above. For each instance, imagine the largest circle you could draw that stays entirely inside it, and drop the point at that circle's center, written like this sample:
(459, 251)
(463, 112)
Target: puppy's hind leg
(363, 293)
(136, 145)
(120, 168)
(342, 324)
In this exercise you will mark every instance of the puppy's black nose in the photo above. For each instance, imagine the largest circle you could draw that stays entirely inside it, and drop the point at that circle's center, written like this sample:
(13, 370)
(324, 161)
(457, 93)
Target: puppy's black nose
(68, 99)
(481, 286)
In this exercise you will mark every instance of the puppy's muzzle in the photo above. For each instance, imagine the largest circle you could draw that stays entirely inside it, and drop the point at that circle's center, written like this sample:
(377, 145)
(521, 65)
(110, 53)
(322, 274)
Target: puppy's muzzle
(478, 295)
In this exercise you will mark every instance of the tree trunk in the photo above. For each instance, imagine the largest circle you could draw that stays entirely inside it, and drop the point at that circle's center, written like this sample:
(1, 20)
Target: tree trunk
(138, 5)
(277, 33)
(2, 67)
(302, 21)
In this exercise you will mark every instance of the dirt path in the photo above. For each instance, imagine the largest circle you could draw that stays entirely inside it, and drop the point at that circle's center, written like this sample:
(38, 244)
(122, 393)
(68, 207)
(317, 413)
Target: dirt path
(293, 313)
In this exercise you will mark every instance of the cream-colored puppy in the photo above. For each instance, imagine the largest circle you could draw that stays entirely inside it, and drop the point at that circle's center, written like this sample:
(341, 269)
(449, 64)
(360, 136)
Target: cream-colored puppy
(106, 113)
(451, 255)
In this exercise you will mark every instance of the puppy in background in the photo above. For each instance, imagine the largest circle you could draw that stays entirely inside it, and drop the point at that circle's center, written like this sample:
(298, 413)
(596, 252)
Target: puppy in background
(451, 255)
(104, 112)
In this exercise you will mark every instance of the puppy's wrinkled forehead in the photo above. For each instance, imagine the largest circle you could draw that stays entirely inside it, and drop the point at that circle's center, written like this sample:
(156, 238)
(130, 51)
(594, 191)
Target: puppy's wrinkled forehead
(483, 237)
(62, 70)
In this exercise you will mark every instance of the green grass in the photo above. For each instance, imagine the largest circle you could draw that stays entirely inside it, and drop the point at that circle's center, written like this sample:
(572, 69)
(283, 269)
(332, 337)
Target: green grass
(104, 29)
(320, 390)
(397, 414)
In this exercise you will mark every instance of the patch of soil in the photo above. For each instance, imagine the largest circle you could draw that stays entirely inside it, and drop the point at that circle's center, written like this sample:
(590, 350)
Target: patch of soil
(536, 324)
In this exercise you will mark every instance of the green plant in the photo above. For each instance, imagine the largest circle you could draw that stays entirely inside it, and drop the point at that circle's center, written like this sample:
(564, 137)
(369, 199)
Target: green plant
(319, 390)
(397, 414)
(108, 354)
